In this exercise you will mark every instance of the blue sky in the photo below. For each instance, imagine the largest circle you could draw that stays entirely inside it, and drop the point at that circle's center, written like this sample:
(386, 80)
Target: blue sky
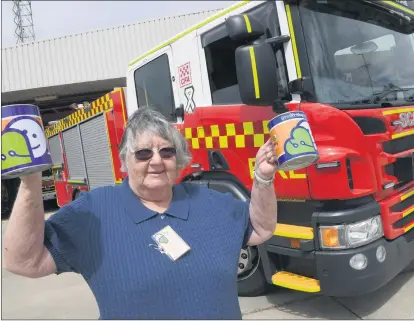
(59, 18)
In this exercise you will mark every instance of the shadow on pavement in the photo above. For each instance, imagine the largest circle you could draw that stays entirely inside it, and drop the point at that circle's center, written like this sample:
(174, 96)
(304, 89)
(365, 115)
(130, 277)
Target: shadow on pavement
(392, 301)
(314, 308)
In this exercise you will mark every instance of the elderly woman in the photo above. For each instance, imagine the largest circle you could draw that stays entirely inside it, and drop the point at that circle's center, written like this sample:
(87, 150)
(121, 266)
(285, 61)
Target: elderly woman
(148, 248)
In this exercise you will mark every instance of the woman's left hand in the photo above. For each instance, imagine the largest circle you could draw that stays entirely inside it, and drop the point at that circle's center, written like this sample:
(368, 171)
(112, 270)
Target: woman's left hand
(266, 160)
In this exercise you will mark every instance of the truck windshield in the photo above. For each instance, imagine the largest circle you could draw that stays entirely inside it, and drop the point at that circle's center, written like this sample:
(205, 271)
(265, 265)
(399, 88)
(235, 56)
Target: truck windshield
(359, 54)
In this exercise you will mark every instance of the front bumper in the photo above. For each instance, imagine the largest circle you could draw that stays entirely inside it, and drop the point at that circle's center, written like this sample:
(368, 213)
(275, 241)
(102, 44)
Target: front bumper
(331, 268)
(338, 278)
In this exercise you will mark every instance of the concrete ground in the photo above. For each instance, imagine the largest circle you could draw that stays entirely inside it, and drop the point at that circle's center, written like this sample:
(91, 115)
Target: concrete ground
(68, 297)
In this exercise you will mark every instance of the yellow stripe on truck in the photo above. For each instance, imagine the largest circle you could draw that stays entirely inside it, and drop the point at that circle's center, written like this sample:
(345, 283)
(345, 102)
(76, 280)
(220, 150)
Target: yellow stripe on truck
(296, 282)
(397, 111)
(248, 26)
(399, 135)
(408, 212)
(399, 6)
(293, 39)
(74, 181)
(254, 71)
(407, 195)
(409, 227)
(293, 231)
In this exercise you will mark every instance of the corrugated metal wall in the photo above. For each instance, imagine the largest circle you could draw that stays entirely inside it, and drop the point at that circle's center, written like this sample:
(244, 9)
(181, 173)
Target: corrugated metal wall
(90, 56)
(97, 152)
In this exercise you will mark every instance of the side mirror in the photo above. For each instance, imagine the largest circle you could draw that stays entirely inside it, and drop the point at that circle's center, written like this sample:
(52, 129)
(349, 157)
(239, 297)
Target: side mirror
(244, 28)
(257, 74)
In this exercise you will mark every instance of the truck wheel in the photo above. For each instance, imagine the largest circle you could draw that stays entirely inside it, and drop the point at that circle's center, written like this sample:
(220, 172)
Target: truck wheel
(251, 280)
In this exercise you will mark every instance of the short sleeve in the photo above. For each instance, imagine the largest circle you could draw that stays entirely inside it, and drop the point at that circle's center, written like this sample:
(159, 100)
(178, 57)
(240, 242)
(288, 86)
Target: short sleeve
(63, 234)
(242, 209)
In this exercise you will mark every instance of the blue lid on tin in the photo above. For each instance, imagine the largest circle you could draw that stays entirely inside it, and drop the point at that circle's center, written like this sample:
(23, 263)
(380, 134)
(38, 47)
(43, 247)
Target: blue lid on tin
(19, 109)
(285, 116)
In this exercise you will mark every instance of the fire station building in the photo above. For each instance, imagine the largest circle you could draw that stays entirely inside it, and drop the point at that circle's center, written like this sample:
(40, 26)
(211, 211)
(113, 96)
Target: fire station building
(56, 73)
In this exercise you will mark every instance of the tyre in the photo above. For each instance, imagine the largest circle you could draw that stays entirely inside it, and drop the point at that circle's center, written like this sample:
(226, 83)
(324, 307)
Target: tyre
(251, 280)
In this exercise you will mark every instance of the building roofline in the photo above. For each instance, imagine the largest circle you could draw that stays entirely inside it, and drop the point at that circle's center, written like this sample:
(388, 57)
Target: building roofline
(113, 27)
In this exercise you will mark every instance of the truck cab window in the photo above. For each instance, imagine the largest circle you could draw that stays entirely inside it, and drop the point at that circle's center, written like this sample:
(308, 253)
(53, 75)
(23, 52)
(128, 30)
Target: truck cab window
(221, 67)
(153, 86)
(361, 59)
(220, 50)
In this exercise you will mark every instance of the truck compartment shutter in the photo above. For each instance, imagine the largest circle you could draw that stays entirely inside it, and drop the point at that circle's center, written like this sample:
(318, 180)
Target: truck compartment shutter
(55, 150)
(97, 152)
(74, 155)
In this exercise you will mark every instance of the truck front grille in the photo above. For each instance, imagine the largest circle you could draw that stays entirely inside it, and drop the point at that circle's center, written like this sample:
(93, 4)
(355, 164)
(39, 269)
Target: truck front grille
(297, 212)
(399, 145)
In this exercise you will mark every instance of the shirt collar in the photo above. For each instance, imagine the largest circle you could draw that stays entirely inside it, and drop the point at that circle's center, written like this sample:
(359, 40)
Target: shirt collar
(179, 206)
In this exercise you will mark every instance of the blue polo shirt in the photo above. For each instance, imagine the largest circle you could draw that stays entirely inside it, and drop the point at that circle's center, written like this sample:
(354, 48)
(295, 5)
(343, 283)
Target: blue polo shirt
(105, 235)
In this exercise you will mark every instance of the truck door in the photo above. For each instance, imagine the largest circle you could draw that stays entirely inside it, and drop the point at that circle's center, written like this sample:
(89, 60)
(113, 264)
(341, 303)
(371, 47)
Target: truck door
(220, 80)
(156, 84)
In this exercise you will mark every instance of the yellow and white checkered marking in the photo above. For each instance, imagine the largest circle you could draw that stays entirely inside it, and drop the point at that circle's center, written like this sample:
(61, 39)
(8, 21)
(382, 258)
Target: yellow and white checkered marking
(52, 130)
(102, 104)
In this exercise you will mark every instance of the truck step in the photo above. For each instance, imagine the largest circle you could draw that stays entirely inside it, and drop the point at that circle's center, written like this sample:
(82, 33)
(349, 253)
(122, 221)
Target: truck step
(295, 282)
(294, 231)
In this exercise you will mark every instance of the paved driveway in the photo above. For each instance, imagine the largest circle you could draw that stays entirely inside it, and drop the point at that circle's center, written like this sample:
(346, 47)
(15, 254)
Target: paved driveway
(68, 297)
(393, 301)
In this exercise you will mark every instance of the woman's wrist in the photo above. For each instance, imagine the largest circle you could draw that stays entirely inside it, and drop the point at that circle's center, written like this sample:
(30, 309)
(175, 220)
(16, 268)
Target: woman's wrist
(33, 178)
(263, 177)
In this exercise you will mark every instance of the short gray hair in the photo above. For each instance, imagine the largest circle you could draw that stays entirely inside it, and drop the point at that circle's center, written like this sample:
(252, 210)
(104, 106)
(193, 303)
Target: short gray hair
(146, 120)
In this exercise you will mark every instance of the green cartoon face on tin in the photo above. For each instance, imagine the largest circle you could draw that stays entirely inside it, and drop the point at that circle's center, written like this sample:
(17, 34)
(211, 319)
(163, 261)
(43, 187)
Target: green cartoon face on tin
(34, 133)
(301, 140)
(15, 150)
(23, 141)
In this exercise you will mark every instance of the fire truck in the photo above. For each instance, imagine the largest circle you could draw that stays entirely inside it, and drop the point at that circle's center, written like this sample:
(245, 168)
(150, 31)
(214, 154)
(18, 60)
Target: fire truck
(346, 223)
(84, 147)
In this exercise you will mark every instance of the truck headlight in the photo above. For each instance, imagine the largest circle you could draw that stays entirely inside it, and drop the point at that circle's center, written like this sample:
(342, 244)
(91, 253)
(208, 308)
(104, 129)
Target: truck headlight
(351, 235)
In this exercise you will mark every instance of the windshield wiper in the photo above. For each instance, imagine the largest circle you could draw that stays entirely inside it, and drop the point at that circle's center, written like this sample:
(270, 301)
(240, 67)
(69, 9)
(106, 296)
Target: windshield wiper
(379, 97)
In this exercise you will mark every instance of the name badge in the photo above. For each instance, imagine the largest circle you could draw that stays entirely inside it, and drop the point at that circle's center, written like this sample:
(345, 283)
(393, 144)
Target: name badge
(170, 243)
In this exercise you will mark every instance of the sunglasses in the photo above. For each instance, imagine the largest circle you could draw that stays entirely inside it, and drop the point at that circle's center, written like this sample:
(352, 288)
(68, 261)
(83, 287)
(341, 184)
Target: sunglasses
(146, 153)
